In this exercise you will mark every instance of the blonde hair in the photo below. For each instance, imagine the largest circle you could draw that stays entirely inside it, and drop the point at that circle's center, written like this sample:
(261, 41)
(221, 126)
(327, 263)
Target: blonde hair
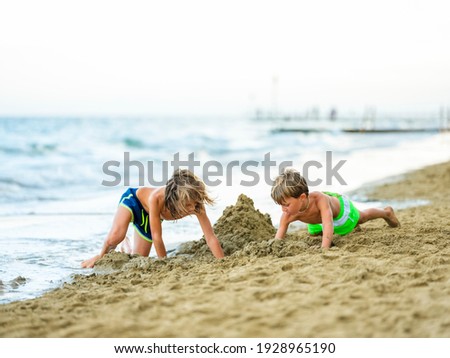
(183, 188)
(289, 184)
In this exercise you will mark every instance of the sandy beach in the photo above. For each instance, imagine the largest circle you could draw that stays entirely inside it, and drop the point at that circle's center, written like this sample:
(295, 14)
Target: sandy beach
(375, 282)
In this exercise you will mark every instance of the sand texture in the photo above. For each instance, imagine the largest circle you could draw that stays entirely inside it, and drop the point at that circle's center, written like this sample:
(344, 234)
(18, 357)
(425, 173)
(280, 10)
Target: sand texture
(375, 282)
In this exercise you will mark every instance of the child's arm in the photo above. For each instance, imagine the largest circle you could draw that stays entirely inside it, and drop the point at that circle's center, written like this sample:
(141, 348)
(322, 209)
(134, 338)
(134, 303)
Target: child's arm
(155, 226)
(210, 237)
(89, 263)
(284, 224)
(107, 247)
(327, 222)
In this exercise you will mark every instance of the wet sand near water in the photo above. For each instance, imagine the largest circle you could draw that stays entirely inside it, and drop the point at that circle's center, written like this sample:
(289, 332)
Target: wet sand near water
(376, 282)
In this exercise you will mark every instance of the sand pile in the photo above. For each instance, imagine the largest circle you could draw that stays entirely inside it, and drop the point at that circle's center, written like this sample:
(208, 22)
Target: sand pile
(239, 225)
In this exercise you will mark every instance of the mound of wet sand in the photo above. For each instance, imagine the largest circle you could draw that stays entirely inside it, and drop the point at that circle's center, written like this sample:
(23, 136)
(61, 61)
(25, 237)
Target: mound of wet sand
(239, 225)
(376, 282)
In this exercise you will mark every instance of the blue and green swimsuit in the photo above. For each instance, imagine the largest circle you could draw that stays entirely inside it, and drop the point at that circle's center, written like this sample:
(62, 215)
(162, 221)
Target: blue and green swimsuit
(139, 217)
(346, 220)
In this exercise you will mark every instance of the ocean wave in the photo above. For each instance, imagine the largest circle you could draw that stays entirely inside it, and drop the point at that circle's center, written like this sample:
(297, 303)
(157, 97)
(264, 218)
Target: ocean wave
(31, 149)
(11, 182)
(134, 143)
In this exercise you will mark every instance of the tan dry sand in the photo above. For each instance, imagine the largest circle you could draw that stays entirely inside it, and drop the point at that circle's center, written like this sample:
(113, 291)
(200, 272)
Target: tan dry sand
(377, 282)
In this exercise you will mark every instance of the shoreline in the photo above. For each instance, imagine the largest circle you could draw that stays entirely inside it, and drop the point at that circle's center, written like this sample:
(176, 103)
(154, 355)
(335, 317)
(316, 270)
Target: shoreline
(377, 282)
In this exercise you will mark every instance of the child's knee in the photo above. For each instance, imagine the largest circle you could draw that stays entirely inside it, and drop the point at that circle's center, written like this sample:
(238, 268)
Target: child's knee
(362, 217)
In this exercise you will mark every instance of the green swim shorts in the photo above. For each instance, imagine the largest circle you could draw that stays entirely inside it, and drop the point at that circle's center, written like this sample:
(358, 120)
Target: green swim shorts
(345, 222)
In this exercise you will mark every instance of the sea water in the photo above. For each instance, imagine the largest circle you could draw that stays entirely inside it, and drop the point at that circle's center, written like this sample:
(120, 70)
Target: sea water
(55, 208)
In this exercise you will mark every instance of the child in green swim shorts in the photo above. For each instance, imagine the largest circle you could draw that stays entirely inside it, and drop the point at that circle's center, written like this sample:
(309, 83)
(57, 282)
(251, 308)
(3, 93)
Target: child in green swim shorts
(324, 212)
(184, 194)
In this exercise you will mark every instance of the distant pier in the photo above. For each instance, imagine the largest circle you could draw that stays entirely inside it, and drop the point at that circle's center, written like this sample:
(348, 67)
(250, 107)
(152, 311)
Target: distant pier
(361, 130)
(369, 122)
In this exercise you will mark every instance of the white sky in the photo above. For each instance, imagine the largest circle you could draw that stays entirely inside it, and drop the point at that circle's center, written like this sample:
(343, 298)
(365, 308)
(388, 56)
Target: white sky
(220, 57)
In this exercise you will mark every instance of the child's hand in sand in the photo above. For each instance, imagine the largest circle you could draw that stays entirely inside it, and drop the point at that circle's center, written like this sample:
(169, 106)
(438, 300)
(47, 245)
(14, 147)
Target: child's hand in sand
(90, 262)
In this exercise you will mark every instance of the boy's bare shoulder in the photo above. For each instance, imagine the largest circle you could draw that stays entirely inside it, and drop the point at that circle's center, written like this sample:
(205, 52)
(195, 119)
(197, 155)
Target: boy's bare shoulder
(317, 196)
(316, 193)
(150, 197)
(155, 194)
(319, 199)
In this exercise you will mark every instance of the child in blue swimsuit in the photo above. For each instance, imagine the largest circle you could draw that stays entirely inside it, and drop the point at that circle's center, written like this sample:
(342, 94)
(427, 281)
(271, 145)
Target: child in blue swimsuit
(325, 213)
(184, 194)
(139, 216)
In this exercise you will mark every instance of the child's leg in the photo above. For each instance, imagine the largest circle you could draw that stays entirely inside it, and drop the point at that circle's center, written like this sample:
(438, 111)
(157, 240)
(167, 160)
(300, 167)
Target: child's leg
(115, 236)
(119, 226)
(371, 214)
(141, 247)
(125, 246)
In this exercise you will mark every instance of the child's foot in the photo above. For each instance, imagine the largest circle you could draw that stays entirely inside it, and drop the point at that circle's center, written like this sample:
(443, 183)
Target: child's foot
(125, 246)
(391, 219)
